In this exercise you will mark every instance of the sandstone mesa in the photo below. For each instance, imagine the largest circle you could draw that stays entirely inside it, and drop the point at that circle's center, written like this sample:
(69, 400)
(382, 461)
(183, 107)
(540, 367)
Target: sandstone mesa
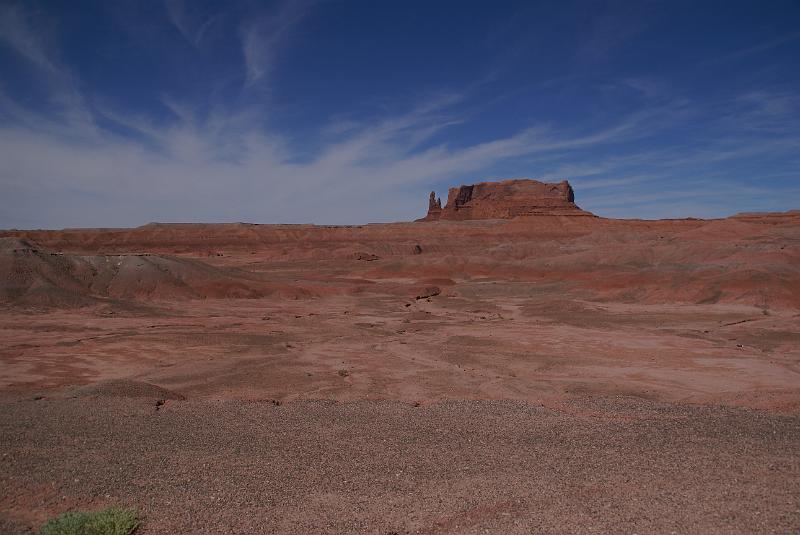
(505, 200)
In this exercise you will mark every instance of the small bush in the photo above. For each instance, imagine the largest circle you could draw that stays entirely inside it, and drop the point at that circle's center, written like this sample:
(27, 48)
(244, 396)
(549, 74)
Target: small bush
(111, 521)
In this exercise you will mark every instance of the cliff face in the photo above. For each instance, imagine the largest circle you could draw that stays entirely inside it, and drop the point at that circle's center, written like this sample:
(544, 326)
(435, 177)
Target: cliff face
(505, 200)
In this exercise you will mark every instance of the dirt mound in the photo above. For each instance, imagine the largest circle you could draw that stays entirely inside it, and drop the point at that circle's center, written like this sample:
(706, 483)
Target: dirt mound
(32, 275)
(13, 244)
(145, 276)
(425, 292)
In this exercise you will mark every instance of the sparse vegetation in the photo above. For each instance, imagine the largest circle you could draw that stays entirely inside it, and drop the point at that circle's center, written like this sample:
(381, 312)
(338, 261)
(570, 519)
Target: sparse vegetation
(110, 521)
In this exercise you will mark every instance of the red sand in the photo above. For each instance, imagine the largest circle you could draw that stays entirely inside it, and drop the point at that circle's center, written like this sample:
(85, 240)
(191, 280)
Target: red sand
(650, 358)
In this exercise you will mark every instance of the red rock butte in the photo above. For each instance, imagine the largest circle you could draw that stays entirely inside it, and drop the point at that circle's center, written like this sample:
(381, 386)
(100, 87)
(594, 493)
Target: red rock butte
(506, 199)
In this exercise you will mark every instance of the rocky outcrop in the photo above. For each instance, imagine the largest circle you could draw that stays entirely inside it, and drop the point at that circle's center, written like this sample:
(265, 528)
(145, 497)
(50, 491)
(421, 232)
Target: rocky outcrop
(505, 200)
(434, 208)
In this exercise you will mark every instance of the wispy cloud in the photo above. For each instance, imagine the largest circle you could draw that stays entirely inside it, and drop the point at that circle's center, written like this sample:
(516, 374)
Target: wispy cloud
(609, 29)
(180, 173)
(755, 49)
(33, 42)
(371, 171)
(189, 20)
(16, 32)
(263, 36)
(765, 111)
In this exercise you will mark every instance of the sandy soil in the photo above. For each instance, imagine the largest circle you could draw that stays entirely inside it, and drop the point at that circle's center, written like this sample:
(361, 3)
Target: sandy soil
(619, 466)
(546, 375)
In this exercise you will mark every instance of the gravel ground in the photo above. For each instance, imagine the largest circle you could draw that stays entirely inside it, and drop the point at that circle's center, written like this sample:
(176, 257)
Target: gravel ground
(619, 465)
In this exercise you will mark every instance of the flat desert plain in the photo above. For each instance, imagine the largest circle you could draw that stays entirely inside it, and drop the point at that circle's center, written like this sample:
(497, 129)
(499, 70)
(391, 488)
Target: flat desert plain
(547, 374)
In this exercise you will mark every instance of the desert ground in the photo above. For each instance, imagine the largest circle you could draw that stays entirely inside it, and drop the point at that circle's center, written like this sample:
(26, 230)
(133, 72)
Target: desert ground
(547, 374)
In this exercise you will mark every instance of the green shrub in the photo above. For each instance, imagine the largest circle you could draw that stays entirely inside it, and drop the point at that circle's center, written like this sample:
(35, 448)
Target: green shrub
(111, 521)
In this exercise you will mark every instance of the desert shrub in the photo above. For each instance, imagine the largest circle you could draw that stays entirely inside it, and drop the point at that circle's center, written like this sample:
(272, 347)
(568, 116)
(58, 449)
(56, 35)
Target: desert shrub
(111, 521)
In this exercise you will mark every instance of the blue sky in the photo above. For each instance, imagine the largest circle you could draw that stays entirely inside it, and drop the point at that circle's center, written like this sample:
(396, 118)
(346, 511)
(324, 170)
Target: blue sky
(341, 112)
